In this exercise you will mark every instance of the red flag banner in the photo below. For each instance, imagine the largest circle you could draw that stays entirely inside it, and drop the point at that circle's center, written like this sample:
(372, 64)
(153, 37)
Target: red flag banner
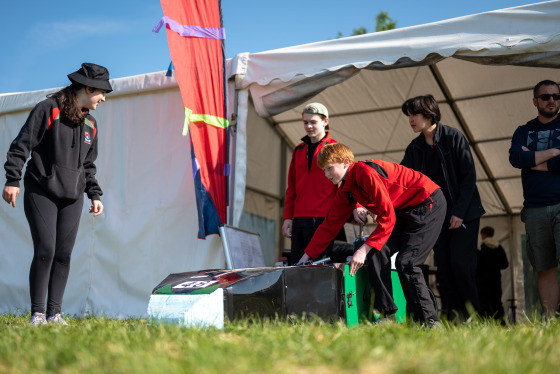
(196, 42)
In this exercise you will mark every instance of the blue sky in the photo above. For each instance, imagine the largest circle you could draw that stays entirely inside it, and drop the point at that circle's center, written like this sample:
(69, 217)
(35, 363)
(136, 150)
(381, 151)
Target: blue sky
(43, 42)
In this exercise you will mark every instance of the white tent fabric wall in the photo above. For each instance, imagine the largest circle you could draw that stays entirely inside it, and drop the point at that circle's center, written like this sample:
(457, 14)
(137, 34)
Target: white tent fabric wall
(480, 68)
(149, 227)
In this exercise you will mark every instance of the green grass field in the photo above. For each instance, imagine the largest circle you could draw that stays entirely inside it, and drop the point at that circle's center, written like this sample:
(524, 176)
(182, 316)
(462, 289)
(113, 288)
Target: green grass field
(101, 345)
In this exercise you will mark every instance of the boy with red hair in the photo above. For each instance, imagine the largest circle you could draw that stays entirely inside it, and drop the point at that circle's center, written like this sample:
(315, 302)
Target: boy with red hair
(410, 210)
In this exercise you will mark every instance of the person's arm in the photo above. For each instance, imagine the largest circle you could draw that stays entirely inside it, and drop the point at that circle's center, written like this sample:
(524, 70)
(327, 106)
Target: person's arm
(522, 157)
(96, 207)
(336, 217)
(28, 138)
(384, 210)
(287, 228)
(553, 164)
(408, 157)
(360, 215)
(466, 174)
(359, 258)
(547, 160)
(543, 156)
(305, 258)
(380, 205)
(9, 194)
(455, 222)
(93, 190)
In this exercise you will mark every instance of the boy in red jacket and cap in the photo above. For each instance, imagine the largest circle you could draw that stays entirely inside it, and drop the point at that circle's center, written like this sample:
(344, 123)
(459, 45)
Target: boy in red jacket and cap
(410, 210)
(309, 194)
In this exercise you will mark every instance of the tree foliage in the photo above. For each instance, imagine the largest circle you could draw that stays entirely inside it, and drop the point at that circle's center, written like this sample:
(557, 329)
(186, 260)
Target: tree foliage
(382, 23)
(359, 31)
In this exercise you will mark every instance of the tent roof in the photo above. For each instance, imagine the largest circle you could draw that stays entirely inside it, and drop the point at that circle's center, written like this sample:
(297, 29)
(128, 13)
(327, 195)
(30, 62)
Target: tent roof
(518, 36)
(480, 68)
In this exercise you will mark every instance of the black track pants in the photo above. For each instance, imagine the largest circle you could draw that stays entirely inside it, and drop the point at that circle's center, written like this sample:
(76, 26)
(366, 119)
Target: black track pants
(413, 237)
(54, 226)
(455, 258)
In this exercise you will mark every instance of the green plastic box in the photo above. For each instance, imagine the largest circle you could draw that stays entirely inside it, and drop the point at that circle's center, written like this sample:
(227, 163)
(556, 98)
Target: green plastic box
(358, 297)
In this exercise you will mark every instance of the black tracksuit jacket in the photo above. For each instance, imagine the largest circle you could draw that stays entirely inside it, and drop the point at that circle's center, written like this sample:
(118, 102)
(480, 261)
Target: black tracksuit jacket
(458, 169)
(62, 155)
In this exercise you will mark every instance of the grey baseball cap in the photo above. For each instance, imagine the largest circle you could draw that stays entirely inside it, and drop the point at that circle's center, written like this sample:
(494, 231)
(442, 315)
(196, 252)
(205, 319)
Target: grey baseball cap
(316, 108)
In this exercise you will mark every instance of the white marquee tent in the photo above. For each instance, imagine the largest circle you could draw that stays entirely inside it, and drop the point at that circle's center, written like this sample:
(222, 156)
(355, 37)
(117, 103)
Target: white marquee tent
(480, 68)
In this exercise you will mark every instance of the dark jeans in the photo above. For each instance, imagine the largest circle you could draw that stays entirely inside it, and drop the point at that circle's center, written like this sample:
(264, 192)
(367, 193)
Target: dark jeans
(54, 226)
(413, 237)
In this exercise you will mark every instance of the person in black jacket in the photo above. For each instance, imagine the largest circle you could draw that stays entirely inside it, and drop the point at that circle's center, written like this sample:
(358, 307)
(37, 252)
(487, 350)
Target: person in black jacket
(492, 260)
(61, 137)
(443, 154)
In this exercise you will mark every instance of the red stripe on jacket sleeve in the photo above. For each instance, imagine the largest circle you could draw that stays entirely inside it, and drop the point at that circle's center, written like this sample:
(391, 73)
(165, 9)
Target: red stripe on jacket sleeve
(54, 115)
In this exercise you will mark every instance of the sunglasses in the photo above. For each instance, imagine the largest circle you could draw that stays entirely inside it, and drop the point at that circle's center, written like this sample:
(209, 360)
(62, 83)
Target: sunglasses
(546, 97)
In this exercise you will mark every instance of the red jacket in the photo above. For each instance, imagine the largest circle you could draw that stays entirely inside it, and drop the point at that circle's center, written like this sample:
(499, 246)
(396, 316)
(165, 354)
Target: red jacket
(309, 192)
(402, 188)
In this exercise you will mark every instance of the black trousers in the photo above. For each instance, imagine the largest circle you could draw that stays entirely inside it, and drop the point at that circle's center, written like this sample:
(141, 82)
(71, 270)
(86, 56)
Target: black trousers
(54, 226)
(490, 297)
(455, 258)
(413, 237)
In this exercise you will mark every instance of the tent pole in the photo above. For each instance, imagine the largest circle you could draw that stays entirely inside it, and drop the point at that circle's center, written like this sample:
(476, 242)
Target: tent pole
(283, 184)
(232, 154)
(513, 264)
(451, 101)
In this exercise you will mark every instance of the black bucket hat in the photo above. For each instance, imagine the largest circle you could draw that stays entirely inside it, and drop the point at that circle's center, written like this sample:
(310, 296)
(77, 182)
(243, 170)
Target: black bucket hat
(92, 75)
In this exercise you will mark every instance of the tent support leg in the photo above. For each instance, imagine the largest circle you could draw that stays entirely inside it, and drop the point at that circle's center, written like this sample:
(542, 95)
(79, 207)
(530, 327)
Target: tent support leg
(451, 101)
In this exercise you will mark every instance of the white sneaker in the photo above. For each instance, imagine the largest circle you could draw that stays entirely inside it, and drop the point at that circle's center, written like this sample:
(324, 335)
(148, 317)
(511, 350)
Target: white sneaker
(38, 319)
(57, 320)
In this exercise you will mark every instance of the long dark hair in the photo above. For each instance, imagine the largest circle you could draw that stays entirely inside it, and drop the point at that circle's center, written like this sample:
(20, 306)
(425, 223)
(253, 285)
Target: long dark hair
(67, 100)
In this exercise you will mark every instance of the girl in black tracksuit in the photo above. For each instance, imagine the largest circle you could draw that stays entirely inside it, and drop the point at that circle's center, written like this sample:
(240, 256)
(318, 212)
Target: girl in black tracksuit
(443, 154)
(61, 136)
